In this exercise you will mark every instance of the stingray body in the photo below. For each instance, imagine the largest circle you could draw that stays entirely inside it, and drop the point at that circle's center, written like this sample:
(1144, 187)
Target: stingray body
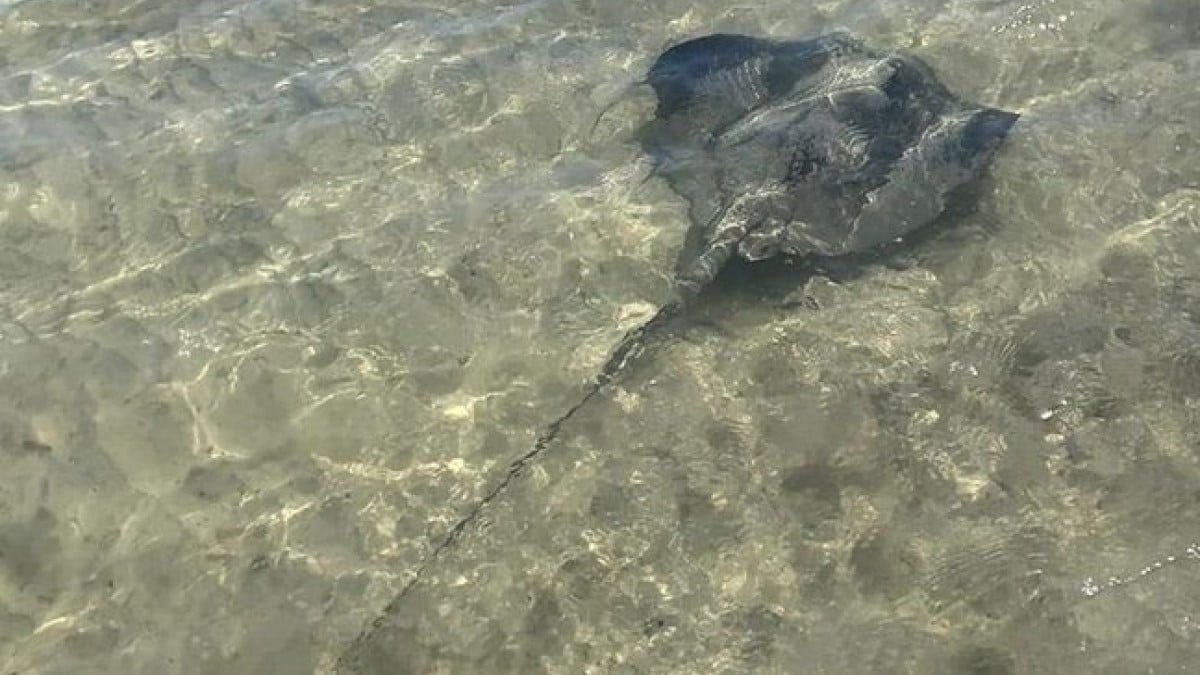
(818, 147)
(811, 147)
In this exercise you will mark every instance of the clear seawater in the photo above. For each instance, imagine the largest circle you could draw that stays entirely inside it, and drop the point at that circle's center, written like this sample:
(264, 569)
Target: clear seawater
(286, 285)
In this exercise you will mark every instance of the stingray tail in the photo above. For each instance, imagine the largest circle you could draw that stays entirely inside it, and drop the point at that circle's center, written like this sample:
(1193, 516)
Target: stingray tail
(625, 353)
(634, 343)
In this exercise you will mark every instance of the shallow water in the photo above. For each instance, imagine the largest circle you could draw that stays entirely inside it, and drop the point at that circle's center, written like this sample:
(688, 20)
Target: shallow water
(286, 286)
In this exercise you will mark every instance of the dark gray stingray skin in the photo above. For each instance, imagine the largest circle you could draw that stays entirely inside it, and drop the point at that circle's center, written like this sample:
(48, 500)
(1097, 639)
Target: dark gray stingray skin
(806, 147)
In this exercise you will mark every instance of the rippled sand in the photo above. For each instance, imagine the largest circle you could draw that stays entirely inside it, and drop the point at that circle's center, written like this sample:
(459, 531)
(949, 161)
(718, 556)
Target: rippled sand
(286, 286)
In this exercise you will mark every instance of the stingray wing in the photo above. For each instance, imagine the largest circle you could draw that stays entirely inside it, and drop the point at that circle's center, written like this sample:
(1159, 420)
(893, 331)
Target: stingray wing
(948, 155)
(705, 86)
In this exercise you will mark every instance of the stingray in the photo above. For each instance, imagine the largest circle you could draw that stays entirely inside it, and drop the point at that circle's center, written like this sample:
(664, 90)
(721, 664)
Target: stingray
(809, 149)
